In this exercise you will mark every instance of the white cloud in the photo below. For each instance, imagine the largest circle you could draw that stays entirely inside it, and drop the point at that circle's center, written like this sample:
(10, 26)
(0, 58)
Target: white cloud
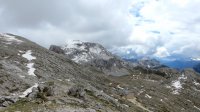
(46, 22)
(143, 27)
(161, 52)
(167, 27)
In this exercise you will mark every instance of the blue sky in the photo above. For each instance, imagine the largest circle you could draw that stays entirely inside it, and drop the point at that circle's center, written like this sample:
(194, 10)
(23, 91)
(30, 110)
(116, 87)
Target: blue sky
(155, 28)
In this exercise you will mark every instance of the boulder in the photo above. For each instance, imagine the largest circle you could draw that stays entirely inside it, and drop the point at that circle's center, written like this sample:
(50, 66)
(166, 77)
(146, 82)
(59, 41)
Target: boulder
(77, 91)
(56, 49)
(7, 101)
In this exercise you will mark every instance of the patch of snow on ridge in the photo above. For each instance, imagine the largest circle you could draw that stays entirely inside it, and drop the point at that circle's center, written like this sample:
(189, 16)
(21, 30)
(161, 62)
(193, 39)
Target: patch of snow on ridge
(30, 65)
(182, 77)
(148, 96)
(197, 108)
(31, 69)
(118, 86)
(9, 38)
(74, 44)
(83, 57)
(28, 91)
(196, 83)
(95, 50)
(28, 55)
(177, 84)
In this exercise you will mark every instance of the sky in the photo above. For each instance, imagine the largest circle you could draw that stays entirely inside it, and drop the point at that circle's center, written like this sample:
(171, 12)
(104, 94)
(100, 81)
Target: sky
(153, 28)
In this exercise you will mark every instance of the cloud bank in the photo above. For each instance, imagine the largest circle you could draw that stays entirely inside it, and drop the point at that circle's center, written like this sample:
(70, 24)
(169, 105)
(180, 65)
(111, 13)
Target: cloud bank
(157, 28)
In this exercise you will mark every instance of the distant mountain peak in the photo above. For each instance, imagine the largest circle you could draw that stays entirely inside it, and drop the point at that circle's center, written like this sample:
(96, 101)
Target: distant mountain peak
(95, 55)
(80, 51)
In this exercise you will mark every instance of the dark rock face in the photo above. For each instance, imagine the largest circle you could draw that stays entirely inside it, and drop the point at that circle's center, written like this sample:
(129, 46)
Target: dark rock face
(56, 49)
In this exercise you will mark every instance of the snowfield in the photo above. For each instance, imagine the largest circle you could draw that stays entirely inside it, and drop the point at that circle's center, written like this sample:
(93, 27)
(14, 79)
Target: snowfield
(31, 69)
(177, 84)
(9, 38)
(28, 91)
(28, 55)
(30, 65)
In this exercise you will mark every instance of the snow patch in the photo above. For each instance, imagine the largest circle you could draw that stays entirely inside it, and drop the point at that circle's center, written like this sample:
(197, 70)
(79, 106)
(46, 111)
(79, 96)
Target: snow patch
(21, 51)
(196, 83)
(59, 79)
(182, 77)
(95, 50)
(68, 80)
(126, 105)
(140, 92)
(177, 84)
(28, 55)
(28, 91)
(169, 87)
(197, 108)
(30, 65)
(148, 96)
(22, 76)
(116, 100)
(6, 57)
(118, 86)
(31, 69)
(79, 58)
(73, 44)
(9, 38)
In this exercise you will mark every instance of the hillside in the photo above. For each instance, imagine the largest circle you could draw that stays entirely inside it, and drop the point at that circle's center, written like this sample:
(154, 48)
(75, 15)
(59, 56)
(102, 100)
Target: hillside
(35, 79)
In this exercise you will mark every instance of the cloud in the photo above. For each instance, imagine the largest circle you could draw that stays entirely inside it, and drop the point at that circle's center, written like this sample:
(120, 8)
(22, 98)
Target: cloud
(167, 27)
(157, 28)
(162, 52)
(52, 21)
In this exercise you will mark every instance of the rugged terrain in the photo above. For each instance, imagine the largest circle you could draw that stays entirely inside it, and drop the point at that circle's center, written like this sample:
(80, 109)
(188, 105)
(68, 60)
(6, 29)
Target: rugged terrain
(34, 79)
(95, 55)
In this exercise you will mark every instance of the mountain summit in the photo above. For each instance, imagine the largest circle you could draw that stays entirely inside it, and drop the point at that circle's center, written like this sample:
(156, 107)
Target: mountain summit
(82, 52)
(93, 54)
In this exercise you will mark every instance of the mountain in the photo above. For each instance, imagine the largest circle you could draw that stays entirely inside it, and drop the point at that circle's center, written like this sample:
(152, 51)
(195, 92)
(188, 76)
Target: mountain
(180, 64)
(35, 79)
(146, 62)
(93, 54)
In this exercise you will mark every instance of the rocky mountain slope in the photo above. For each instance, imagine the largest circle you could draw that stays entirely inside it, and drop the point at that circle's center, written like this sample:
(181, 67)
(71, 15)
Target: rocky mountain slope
(147, 63)
(34, 79)
(95, 55)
